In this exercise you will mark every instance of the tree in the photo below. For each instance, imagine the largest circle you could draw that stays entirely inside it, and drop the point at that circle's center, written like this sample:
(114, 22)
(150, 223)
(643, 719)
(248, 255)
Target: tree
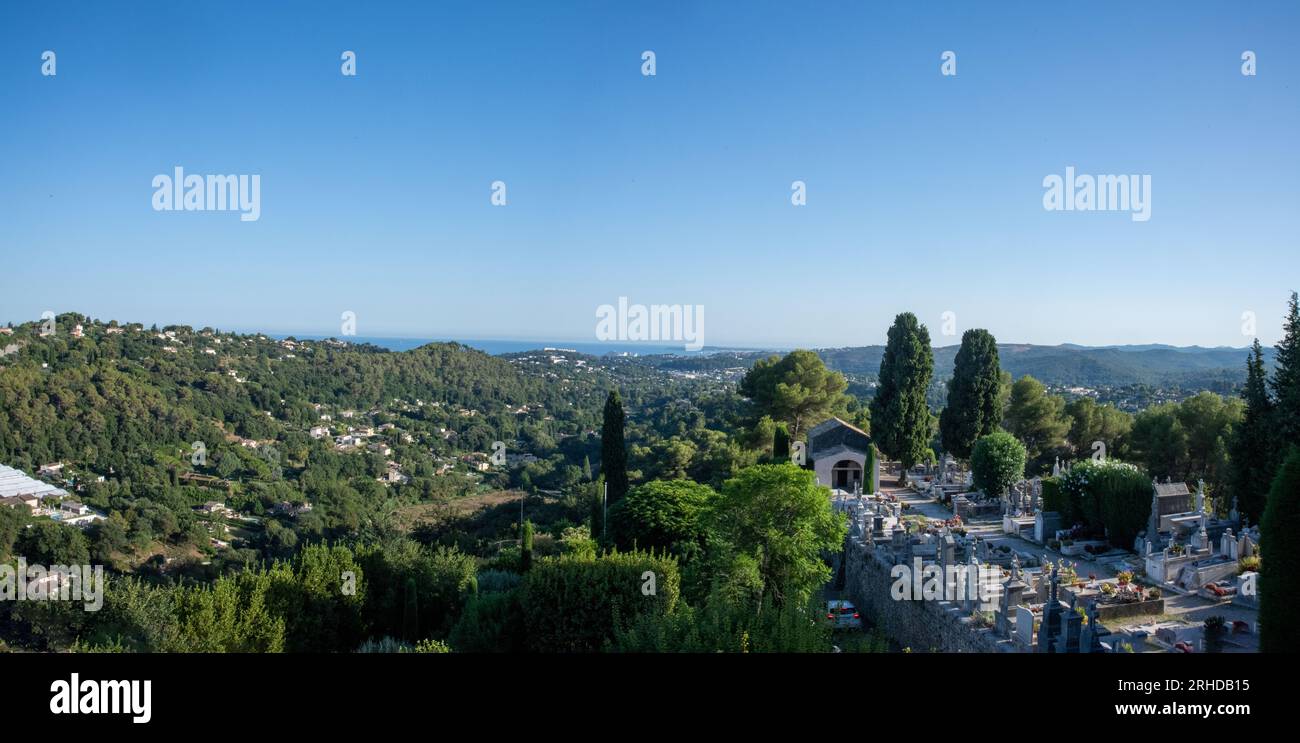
(1208, 420)
(1159, 441)
(1038, 420)
(12, 523)
(973, 393)
(778, 515)
(1090, 423)
(660, 515)
(997, 462)
(797, 389)
(411, 612)
(1279, 579)
(762, 435)
(50, 543)
(613, 452)
(1286, 378)
(900, 417)
(526, 546)
(1253, 453)
(781, 444)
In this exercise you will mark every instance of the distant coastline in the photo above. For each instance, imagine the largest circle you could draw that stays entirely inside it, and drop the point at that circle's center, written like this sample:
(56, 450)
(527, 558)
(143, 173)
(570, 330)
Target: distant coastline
(500, 347)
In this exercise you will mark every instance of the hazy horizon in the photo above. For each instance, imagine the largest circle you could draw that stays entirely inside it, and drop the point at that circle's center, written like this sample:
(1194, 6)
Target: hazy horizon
(937, 342)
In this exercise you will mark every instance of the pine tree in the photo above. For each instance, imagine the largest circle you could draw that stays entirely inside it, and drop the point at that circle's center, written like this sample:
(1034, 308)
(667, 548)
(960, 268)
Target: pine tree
(586, 468)
(1254, 445)
(613, 453)
(973, 408)
(900, 417)
(1279, 581)
(781, 444)
(1286, 378)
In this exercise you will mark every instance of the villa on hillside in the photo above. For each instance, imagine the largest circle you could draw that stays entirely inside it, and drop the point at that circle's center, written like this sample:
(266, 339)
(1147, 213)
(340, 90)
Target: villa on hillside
(839, 453)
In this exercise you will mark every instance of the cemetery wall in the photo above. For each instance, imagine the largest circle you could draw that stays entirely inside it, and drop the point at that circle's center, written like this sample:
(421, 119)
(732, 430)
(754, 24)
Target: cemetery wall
(923, 626)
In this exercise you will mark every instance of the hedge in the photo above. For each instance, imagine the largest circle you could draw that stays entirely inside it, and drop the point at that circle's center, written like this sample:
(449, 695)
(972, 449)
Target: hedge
(573, 604)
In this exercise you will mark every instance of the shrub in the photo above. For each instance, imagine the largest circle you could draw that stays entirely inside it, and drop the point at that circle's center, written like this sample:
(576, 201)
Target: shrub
(497, 581)
(1053, 498)
(574, 604)
(997, 462)
(1107, 495)
(490, 623)
(659, 515)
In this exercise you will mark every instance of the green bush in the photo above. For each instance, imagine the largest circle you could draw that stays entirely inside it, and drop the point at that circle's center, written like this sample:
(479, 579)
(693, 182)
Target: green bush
(1107, 494)
(724, 626)
(1053, 498)
(659, 515)
(490, 623)
(997, 462)
(575, 604)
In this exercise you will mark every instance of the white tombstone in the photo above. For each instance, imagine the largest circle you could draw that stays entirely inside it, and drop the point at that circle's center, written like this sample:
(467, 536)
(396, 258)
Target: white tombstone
(1228, 545)
(1024, 626)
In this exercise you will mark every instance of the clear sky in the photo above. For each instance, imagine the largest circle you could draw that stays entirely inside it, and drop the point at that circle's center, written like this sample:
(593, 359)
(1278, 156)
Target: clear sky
(924, 191)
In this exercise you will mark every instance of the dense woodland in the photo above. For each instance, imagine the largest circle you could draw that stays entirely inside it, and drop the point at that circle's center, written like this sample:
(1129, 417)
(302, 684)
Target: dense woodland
(419, 538)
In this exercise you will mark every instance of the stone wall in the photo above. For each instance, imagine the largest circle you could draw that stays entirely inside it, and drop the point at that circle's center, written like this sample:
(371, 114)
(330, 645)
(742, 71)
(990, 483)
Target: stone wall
(923, 626)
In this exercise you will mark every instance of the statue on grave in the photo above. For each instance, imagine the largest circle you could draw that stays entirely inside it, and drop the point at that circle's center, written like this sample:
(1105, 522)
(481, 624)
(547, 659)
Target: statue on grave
(1153, 521)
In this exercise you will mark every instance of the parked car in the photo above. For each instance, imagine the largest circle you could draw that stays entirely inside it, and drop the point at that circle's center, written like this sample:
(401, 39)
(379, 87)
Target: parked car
(843, 614)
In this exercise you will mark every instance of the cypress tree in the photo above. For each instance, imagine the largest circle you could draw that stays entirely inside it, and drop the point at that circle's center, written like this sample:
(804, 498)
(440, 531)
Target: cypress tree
(900, 417)
(973, 408)
(870, 483)
(613, 453)
(781, 444)
(1279, 580)
(1286, 378)
(597, 510)
(1254, 446)
(526, 546)
(411, 613)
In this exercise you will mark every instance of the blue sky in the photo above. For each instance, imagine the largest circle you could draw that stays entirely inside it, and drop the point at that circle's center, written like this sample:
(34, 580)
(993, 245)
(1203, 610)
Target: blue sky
(924, 191)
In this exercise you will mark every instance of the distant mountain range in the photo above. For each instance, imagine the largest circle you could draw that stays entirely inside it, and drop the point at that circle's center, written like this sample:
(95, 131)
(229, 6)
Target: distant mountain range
(1067, 365)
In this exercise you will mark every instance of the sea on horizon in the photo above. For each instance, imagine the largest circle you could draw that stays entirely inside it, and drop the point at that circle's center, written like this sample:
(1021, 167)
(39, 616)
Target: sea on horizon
(499, 347)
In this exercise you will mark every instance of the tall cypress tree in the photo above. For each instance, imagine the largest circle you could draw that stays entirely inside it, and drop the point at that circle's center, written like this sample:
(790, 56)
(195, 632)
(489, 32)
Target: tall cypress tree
(613, 453)
(411, 613)
(781, 444)
(1254, 444)
(526, 546)
(973, 408)
(900, 417)
(1279, 581)
(1286, 378)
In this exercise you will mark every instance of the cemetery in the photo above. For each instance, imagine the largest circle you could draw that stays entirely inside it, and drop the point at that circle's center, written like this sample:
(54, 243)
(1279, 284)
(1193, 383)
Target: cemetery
(1067, 583)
